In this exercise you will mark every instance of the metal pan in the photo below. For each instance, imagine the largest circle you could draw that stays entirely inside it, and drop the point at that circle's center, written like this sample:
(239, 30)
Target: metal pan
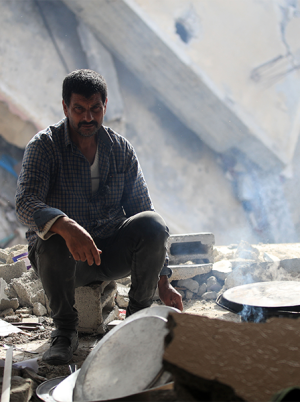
(45, 390)
(126, 361)
(263, 299)
(63, 392)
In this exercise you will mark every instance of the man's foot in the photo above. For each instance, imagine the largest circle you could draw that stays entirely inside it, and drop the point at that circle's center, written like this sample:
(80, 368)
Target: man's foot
(63, 345)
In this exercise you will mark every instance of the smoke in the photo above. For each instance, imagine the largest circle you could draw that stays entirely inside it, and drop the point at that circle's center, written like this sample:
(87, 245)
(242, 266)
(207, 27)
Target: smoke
(251, 313)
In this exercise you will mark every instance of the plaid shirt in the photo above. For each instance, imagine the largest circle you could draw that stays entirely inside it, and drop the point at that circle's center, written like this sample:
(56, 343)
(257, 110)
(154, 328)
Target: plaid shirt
(56, 180)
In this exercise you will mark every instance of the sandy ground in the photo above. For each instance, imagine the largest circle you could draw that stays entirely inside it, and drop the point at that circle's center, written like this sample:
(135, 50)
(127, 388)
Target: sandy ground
(38, 341)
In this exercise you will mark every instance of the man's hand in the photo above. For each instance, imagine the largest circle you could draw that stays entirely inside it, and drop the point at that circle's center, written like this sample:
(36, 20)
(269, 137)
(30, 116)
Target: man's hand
(168, 294)
(78, 240)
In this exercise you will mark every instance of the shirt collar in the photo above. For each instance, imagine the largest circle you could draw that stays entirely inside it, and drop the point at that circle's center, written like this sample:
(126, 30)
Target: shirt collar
(102, 135)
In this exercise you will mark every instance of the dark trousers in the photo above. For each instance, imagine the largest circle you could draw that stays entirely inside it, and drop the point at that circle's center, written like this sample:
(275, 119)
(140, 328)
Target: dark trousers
(138, 248)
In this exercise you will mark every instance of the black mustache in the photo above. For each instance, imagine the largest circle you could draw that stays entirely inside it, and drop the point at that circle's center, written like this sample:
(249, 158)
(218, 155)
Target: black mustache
(85, 123)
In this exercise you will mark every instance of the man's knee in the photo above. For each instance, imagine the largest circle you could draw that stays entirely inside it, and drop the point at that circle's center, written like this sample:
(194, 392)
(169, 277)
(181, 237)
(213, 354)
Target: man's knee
(49, 252)
(152, 224)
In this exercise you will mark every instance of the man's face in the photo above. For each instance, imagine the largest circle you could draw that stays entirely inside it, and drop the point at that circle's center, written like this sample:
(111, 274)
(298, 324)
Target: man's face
(85, 114)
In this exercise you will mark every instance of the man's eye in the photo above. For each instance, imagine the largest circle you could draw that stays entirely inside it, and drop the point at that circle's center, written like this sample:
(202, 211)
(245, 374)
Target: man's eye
(96, 109)
(78, 109)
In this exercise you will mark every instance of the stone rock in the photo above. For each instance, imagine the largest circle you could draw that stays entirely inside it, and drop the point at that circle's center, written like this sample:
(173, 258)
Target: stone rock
(212, 284)
(39, 297)
(202, 289)
(7, 312)
(108, 316)
(24, 310)
(10, 271)
(22, 389)
(38, 309)
(209, 296)
(3, 289)
(9, 303)
(190, 284)
(222, 269)
(189, 295)
(10, 292)
(12, 318)
(122, 298)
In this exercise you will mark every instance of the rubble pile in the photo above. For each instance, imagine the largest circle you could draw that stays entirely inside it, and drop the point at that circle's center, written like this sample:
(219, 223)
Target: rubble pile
(240, 264)
(233, 265)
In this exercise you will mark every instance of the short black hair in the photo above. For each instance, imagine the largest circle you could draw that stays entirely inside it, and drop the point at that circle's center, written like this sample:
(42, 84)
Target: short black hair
(83, 82)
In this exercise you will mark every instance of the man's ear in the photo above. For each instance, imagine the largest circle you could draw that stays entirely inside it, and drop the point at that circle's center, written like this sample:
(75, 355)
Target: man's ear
(65, 107)
(105, 105)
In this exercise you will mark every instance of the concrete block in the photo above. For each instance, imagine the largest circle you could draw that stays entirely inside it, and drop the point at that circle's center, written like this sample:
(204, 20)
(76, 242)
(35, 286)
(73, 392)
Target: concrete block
(10, 271)
(195, 247)
(90, 302)
(186, 271)
(29, 289)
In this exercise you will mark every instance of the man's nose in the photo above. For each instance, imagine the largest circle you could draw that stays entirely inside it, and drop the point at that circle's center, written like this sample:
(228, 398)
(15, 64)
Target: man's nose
(88, 115)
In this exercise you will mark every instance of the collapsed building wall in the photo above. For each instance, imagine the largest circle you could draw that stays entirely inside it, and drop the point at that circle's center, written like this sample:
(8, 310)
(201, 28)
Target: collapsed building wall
(192, 186)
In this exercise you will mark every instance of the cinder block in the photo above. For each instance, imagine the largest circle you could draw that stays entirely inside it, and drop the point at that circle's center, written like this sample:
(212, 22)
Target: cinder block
(90, 302)
(195, 247)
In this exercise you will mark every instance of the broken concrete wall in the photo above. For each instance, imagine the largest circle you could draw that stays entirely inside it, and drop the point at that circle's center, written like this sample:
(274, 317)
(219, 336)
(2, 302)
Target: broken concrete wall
(185, 180)
(250, 53)
(185, 177)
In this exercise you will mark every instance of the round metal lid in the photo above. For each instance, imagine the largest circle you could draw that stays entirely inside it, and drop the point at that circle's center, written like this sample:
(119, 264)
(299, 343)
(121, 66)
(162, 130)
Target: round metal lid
(45, 390)
(63, 392)
(124, 362)
(276, 294)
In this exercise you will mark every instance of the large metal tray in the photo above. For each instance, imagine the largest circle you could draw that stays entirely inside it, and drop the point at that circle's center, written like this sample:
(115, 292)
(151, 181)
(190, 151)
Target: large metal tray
(126, 361)
(261, 300)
